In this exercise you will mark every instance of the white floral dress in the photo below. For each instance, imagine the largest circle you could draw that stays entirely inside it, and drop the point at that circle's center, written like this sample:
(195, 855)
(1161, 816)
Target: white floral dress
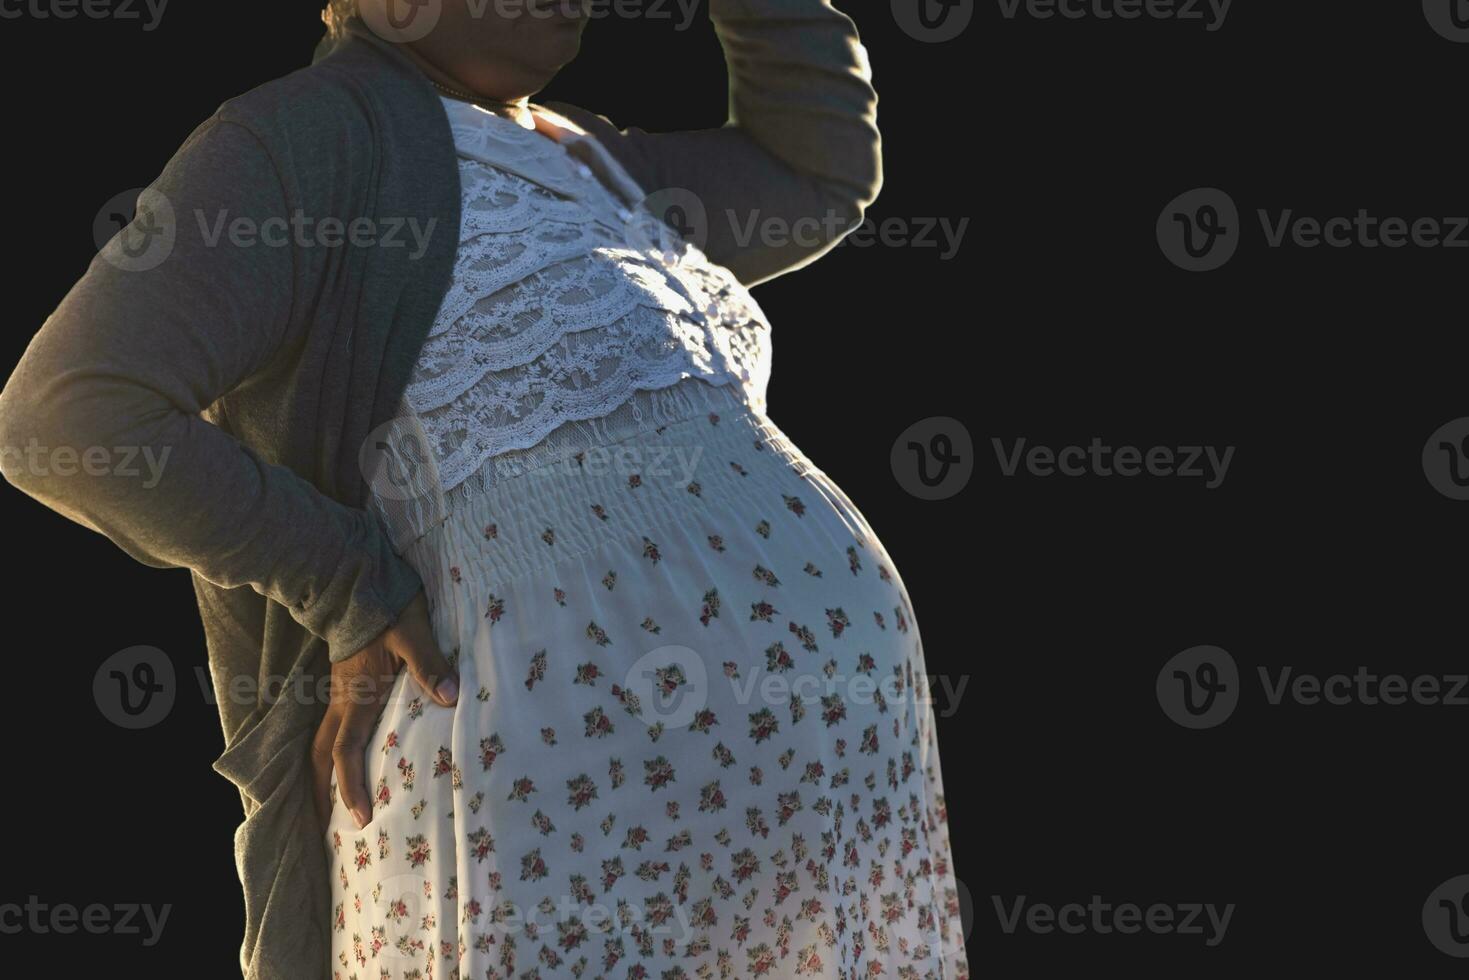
(693, 738)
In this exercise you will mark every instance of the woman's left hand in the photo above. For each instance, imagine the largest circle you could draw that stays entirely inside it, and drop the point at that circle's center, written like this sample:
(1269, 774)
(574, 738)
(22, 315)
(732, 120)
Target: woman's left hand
(360, 686)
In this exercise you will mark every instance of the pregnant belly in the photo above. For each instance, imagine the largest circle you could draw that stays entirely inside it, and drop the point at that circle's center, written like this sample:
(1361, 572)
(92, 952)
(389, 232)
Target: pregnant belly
(674, 652)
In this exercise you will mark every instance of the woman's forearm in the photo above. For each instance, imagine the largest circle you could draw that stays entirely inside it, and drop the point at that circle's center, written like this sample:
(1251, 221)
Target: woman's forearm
(800, 158)
(801, 89)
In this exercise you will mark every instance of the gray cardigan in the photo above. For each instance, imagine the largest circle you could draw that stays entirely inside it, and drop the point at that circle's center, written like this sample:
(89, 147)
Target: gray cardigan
(261, 369)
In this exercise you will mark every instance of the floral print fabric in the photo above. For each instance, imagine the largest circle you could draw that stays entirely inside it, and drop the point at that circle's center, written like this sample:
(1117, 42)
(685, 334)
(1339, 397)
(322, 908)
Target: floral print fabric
(693, 738)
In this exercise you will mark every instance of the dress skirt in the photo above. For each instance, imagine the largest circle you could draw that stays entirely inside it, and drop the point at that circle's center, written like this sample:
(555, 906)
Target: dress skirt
(693, 736)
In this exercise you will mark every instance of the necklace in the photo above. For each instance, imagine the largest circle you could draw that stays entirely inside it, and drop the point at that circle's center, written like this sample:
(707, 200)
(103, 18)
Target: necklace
(483, 103)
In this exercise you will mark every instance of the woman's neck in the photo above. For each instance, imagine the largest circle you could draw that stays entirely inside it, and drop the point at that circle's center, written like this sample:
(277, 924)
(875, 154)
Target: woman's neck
(516, 109)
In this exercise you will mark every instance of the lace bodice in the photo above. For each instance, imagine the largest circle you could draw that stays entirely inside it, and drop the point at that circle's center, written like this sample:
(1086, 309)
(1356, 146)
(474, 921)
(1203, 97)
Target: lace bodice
(573, 313)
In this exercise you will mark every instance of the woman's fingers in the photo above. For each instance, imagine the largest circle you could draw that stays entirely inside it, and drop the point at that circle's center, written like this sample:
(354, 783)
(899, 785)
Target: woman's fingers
(321, 764)
(363, 701)
(361, 685)
(412, 641)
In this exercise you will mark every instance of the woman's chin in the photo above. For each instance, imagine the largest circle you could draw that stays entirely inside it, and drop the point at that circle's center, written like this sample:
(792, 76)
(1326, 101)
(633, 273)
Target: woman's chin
(561, 52)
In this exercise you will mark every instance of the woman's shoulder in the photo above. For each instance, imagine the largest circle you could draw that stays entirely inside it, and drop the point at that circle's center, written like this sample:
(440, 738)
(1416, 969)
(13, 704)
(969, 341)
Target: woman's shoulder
(353, 132)
(351, 101)
(316, 104)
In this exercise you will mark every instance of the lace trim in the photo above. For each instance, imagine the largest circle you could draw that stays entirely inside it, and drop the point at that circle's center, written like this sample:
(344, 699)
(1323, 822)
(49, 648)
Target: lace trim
(570, 315)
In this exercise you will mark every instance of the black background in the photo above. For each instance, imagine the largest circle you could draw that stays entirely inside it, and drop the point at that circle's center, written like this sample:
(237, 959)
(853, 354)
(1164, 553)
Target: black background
(1054, 600)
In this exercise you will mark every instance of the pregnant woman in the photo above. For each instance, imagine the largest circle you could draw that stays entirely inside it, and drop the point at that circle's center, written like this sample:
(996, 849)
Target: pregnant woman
(440, 390)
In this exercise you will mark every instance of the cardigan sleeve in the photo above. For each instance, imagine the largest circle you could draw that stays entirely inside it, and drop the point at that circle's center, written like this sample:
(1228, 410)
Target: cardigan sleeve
(799, 159)
(101, 419)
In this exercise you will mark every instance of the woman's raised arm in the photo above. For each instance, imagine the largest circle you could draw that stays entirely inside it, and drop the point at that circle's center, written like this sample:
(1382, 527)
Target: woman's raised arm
(800, 158)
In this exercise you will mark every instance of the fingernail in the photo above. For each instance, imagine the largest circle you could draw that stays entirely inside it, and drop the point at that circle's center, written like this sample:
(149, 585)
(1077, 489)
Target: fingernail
(361, 816)
(448, 690)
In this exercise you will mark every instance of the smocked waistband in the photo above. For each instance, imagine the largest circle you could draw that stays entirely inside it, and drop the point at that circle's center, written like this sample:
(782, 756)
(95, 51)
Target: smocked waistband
(573, 505)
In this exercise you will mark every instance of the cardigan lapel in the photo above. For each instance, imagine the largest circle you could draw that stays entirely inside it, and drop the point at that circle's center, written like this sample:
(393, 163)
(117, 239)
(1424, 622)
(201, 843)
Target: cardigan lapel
(416, 178)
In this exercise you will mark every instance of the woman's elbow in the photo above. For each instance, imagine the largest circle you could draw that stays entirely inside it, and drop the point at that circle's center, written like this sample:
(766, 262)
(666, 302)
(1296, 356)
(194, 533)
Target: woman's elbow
(848, 191)
(46, 450)
(845, 204)
(868, 182)
(20, 439)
